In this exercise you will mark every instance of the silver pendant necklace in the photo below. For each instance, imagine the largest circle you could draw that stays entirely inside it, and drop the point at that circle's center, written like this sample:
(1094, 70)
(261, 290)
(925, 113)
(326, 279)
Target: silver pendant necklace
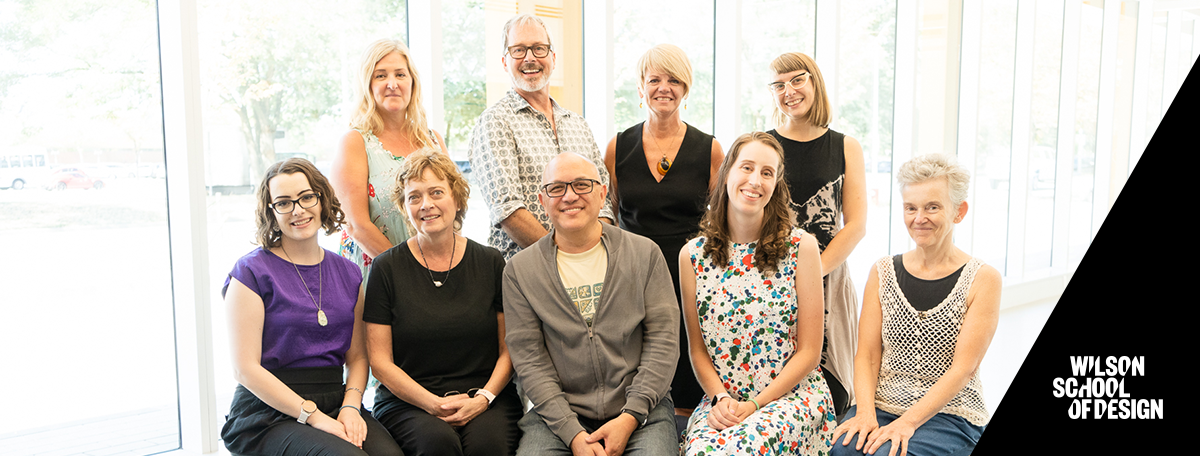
(320, 286)
(438, 283)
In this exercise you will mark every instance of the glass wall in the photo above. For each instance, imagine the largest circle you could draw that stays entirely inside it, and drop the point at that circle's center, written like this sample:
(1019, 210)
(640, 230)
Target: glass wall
(86, 284)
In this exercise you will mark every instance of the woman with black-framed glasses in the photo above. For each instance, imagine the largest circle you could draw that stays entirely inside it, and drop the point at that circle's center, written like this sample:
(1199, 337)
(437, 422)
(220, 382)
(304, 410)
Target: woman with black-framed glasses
(827, 181)
(294, 316)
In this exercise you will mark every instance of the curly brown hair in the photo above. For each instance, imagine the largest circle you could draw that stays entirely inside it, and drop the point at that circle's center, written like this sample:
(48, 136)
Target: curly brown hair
(332, 217)
(778, 217)
(443, 168)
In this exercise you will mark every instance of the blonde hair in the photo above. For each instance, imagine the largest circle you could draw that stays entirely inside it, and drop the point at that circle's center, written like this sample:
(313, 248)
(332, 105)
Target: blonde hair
(669, 58)
(933, 166)
(821, 113)
(443, 168)
(365, 117)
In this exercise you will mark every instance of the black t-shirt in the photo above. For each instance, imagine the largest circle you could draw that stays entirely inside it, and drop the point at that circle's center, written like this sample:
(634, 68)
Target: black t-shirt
(444, 338)
(923, 294)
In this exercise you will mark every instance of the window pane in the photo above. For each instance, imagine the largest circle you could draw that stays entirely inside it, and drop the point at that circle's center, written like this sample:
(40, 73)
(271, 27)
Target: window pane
(770, 28)
(637, 27)
(87, 284)
(1043, 133)
(1087, 99)
(464, 93)
(864, 108)
(276, 83)
(993, 142)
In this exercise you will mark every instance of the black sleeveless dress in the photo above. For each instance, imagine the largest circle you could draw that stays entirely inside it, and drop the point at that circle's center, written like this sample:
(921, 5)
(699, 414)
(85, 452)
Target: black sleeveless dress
(668, 212)
(815, 172)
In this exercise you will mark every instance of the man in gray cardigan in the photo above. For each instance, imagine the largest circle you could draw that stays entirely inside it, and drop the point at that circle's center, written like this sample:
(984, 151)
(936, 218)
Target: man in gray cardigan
(592, 326)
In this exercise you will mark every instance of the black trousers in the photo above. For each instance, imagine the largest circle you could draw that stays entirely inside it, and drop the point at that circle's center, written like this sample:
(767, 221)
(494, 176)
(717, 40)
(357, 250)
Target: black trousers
(493, 432)
(254, 428)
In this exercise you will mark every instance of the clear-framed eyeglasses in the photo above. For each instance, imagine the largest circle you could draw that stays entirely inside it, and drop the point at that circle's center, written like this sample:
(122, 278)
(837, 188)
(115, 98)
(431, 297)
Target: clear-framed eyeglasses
(795, 83)
(539, 51)
(579, 186)
(306, 201)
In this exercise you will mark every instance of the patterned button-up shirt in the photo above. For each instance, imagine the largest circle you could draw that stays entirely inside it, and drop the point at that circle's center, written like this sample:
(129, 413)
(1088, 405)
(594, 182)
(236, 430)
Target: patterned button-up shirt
(510, 147)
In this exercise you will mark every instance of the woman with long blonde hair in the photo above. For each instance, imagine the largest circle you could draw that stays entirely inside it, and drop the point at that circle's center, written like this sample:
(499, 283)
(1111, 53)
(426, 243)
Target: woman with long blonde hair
(388, 125)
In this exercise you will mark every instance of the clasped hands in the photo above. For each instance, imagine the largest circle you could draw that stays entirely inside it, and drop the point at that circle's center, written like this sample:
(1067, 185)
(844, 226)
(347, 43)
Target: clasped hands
(728, 412)
(457, 409)
(871, 436)
(615, 434)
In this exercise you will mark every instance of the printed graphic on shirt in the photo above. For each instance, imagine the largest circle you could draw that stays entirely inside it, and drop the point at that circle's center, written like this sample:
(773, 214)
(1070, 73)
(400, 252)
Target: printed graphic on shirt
(585, 298)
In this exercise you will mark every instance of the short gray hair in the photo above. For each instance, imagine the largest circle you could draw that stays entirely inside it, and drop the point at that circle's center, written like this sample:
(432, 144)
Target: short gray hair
(933, 166)
(524, 19)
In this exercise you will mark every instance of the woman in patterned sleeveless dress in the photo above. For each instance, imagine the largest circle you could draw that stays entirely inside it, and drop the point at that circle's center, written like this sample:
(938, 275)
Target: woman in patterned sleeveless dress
(828, 184)
(660, 172)
(928, 317)
(388, 125)
(752, 304)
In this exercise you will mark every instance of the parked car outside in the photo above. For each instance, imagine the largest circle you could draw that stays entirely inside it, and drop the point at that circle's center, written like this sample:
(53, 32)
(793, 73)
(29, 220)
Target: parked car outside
(64, 178)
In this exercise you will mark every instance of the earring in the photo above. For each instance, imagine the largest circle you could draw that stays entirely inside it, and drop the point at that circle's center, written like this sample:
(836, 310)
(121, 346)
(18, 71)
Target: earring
(640, 105)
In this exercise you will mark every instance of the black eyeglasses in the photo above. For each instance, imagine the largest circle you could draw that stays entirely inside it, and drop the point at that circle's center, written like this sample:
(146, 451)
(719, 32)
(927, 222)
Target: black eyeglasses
(539, 51)
(796, 83)
(579, 186)
(306, 201)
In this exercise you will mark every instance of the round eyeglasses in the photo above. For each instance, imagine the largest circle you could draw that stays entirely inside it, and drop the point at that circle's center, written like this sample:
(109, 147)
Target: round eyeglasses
(579, 186)
(306, 201)
(795, 83)
(539, 51)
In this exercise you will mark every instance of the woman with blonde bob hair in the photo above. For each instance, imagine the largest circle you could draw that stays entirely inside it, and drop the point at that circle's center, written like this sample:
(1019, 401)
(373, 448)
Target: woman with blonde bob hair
(828, 185)
(387, 125)
(928, 316)
(295, 327)
(752, 305)
(661, 172)
(435, 325)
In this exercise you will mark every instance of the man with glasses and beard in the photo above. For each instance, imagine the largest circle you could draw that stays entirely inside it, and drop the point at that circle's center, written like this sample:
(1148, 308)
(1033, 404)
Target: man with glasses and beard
(515, 138)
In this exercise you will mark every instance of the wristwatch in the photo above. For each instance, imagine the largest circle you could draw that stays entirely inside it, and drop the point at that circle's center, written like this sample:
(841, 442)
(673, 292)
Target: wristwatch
(486, 394)
(640, 417)
(307, 408)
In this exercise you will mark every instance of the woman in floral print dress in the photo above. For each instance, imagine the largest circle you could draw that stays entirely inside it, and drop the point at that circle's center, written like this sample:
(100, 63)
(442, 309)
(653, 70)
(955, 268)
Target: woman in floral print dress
(753, 304)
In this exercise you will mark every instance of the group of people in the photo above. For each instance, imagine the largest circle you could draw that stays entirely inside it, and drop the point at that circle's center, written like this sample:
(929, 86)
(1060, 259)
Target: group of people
(663, 297)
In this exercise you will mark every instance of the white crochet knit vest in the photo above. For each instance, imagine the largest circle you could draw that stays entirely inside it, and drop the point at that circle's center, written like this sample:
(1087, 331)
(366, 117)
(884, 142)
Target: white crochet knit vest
(919, 346)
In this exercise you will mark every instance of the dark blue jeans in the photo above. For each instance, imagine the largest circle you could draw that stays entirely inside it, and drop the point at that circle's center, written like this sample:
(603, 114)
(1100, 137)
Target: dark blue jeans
(942, 435)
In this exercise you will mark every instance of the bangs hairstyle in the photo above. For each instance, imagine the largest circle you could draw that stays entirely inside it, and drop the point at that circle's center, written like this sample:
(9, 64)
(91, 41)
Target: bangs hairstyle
(332, 217)
(365, 118)
(443, 168)
(820, 114)
(778, 217)
(521, 20)
(933, 166)
(670, 59)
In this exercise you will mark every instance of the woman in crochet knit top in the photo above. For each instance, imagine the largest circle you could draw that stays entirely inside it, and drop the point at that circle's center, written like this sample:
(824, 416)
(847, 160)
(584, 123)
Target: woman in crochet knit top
(928, 316)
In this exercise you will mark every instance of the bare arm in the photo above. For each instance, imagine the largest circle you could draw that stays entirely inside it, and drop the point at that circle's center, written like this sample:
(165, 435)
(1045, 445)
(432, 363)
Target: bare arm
(349, 180)
(610, 164)
(724, 413)
(246, 316)
(866, 366)
(854, 210)
(383, 365)
(523, 227)
(715, 160)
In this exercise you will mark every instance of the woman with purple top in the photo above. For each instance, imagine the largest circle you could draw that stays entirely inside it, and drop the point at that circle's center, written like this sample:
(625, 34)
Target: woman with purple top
(295, 323)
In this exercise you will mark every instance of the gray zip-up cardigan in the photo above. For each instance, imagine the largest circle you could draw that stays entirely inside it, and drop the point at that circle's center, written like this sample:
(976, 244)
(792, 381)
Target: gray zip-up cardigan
(625, 361)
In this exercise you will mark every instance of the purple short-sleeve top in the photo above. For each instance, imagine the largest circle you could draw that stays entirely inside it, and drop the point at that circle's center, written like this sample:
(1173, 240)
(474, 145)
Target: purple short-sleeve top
(292, 337)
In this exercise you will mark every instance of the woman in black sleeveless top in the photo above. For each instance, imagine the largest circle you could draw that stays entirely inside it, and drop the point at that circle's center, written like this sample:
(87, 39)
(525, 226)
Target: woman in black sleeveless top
(660, 171)
(827, 179)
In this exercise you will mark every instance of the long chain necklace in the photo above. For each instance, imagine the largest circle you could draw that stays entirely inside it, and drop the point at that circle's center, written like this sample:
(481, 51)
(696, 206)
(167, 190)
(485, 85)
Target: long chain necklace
(664, 165)
(320, 286)
(438, 283)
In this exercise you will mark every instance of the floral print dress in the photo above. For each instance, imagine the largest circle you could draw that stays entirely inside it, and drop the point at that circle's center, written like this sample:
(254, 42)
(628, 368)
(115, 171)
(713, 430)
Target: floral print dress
(747, 321)
(382, 167)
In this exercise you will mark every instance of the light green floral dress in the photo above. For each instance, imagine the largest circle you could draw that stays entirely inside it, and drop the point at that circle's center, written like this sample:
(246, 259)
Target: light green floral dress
(382, 167)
